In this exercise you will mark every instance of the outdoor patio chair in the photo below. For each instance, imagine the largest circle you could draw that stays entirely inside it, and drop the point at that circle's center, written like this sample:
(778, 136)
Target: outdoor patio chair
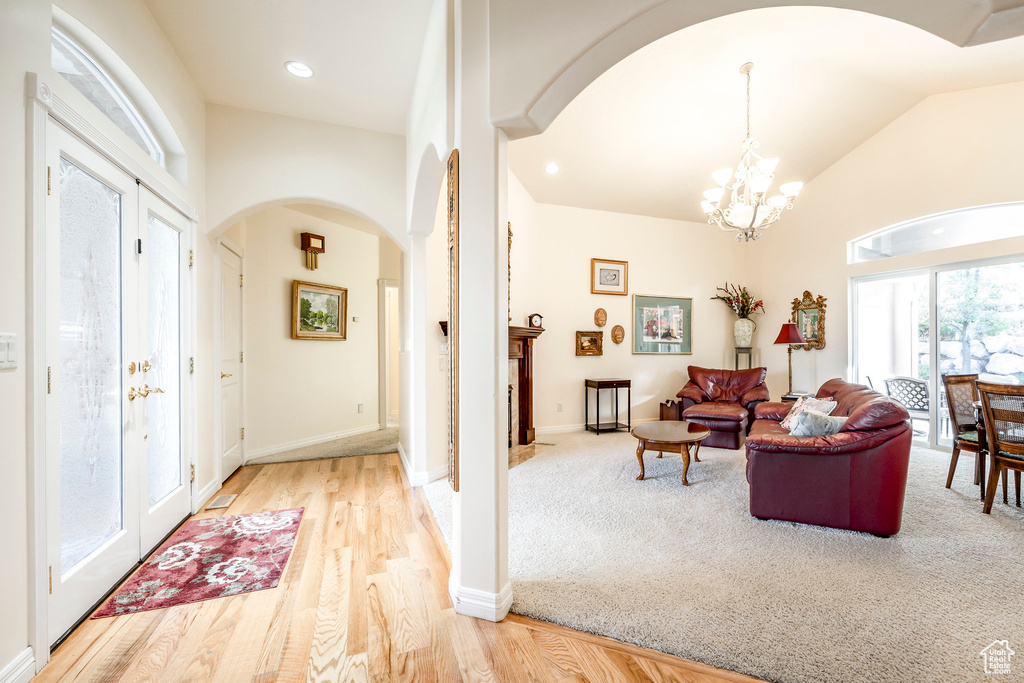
(912, 393)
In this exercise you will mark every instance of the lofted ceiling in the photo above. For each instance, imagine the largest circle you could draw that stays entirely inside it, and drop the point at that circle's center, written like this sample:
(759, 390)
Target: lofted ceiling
(645, 137)
(364, 55)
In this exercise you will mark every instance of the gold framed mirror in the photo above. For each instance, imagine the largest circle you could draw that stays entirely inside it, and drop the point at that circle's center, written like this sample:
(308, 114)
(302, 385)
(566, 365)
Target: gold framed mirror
(809, 316)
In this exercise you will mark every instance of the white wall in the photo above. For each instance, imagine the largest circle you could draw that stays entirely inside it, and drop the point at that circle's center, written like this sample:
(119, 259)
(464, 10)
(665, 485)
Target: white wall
(257, 160)
(672, 258)
(436, 310)
(24, 46)
(298, 391)
(950, 151)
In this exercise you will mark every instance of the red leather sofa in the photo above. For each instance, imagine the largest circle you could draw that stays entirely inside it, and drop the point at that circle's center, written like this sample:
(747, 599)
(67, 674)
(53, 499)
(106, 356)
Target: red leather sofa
(855, 479)
(724, 402)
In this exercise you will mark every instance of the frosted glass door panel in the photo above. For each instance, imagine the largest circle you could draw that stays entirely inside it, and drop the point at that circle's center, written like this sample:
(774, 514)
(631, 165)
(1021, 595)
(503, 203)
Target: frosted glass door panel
(91, 458)
(163, 328)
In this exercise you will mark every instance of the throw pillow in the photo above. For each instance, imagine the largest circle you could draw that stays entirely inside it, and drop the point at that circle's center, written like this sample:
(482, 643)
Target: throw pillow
(812, 423)
(825, 406)
(822, 405)
(787, 422)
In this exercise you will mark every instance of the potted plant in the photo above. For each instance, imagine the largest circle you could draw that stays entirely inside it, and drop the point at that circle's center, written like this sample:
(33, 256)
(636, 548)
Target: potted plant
(743, 305)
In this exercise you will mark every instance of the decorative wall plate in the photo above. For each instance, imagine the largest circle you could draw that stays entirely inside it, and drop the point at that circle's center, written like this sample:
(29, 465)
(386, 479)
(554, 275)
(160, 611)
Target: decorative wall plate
(600, 317)
(618, 334)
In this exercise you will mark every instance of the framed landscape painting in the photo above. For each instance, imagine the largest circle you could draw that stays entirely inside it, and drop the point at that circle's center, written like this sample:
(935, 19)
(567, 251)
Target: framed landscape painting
(318, 311)
(662, 324)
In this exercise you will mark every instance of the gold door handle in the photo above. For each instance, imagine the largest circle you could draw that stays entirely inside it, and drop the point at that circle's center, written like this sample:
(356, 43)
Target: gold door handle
(223, 375)
(146, 391)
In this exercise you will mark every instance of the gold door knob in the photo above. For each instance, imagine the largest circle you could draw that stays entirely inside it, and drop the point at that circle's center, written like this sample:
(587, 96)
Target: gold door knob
(146, 366)
(131, 368)
(223, 375)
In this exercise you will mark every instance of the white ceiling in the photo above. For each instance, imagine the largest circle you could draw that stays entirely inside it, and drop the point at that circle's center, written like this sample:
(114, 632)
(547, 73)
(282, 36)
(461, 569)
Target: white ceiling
(364, 54)
(646, 135)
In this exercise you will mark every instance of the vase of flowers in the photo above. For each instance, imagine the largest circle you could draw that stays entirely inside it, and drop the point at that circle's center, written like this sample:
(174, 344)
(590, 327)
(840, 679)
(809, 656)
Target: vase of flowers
(743, 305)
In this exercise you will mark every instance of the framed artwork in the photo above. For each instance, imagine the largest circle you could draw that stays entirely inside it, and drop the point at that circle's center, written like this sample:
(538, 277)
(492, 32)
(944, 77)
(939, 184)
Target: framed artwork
(809, 316)
(453, 320)
(662, 324)
(609, 277)
(318, 311)
(590, 343)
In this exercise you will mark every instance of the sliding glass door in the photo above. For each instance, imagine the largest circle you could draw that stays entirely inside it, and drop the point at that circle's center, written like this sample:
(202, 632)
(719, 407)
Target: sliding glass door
(912, 327)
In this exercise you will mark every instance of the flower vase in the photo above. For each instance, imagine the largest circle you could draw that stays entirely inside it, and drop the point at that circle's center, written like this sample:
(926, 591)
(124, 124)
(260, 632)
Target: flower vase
(743, 331)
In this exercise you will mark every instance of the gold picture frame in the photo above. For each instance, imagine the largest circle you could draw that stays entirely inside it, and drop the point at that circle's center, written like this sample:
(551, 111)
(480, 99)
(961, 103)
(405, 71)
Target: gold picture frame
(590, 343)
(609, 277)
(453, 320)
(319, 311)
(809, 317)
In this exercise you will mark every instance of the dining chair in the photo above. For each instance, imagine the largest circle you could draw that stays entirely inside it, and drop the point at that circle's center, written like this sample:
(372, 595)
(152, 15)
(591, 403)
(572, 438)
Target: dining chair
(1003, 409)
(961, 393)
(912, 393)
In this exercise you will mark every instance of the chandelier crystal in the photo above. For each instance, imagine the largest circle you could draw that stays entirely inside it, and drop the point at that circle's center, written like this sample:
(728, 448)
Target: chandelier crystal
(750, 209)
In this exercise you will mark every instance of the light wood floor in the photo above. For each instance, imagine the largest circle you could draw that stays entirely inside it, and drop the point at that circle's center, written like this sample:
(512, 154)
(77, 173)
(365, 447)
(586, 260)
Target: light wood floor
(364, 597)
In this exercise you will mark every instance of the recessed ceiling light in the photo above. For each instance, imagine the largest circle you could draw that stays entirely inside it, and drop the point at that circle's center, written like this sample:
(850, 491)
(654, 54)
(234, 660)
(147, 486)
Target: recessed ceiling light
(551, 168)
(298, 69)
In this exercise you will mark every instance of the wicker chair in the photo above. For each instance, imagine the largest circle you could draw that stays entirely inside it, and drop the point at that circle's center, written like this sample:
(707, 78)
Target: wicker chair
(1003, 407)
(912, 393)
(961, 393)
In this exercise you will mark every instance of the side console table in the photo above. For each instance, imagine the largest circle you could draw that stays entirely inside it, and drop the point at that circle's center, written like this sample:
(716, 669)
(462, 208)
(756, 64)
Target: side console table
(614, 385)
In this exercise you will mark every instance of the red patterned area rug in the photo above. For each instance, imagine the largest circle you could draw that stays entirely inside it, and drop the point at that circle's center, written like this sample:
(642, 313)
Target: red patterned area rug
(210, 558)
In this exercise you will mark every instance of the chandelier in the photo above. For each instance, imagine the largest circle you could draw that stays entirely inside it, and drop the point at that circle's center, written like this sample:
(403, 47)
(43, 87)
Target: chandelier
(750, 208)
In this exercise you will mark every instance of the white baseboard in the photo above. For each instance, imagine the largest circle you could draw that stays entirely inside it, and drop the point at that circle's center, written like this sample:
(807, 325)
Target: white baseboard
(481, 604)
(205, 494)
(21, 669)
(567, 429)
(419, 478)
(302, 443)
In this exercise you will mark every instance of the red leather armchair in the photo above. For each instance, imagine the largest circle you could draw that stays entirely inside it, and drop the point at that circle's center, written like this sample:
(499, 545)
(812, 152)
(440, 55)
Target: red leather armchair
(723, 401)
(855, 479)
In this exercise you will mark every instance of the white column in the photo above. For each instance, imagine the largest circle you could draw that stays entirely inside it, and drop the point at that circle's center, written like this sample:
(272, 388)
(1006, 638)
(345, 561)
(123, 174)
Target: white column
(479, 584)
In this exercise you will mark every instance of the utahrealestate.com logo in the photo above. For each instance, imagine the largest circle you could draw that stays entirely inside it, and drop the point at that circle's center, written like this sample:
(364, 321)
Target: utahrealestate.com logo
(997, 657)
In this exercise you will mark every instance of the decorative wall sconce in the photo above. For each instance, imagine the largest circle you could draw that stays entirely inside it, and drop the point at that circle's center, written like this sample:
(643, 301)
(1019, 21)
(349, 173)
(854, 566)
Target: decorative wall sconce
(313, 245)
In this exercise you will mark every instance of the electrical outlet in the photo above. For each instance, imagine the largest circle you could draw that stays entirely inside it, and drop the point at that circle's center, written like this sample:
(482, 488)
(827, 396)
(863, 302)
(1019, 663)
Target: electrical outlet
(559, 407)
(359, 408)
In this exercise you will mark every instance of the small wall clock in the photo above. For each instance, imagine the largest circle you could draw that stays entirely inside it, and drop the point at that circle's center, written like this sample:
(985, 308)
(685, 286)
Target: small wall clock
(535, 320)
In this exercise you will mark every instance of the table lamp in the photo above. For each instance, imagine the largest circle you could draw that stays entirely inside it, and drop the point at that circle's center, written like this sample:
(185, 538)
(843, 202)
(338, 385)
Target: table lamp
(790, 334)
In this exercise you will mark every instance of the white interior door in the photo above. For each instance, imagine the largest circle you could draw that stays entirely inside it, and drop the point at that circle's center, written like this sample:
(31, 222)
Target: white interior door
(165, 491)
(230, 360)
(93, 431)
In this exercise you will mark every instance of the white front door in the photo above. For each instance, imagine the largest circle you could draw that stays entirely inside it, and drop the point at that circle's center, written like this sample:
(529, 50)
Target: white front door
(165, 492)
(230, 360)
(114, 449)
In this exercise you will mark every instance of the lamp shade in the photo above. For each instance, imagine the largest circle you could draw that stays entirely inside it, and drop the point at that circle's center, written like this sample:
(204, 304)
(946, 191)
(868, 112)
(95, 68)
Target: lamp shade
(790, 334)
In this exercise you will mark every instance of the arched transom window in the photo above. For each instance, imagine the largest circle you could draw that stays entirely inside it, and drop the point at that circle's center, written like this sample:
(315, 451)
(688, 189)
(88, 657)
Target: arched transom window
(82, 71)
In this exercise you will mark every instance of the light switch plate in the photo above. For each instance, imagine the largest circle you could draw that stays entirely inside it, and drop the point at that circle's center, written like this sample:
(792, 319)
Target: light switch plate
(8, 351)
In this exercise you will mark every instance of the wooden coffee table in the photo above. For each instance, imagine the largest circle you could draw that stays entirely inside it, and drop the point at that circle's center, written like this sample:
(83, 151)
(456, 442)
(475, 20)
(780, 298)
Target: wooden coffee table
(670, 436)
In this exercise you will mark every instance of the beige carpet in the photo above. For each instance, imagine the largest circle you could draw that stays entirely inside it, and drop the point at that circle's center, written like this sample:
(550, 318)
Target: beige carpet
(688, 571)
(371, 443)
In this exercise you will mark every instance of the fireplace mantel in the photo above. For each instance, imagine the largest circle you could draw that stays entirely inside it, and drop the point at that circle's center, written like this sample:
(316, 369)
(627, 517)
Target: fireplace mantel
(520, 348)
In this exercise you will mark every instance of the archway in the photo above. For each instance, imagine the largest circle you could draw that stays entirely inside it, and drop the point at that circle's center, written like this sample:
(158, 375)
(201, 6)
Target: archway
(304, 394)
